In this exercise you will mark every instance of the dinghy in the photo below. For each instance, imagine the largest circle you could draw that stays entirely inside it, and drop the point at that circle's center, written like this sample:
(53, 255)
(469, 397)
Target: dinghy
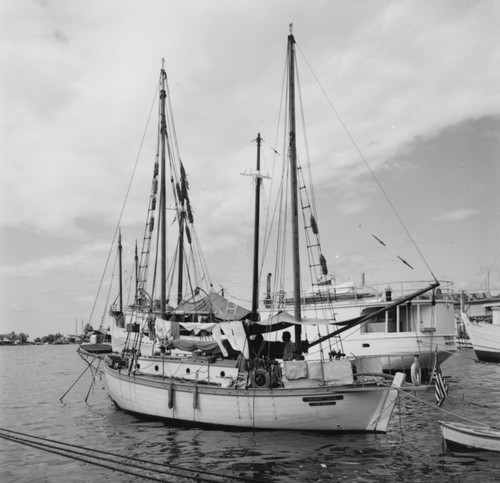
(471, 436)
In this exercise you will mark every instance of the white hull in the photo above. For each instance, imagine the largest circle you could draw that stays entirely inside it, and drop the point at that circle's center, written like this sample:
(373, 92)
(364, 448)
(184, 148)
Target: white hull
(477, 437)
(424, 329)
(485, 339)
(325, 408)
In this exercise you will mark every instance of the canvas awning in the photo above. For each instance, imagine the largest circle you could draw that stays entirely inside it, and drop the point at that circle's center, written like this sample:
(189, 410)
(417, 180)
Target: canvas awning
(284, 317)
(213, 304)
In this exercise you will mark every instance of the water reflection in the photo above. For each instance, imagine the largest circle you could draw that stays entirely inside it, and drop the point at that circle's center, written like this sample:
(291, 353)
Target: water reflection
(412, 450)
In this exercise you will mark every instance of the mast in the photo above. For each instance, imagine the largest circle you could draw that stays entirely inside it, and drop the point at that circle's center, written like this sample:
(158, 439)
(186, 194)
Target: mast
(120, 270)
(182, 218)
(255, 284)
(181, 259)
(293, 191)
(136, 260)
(163, 201)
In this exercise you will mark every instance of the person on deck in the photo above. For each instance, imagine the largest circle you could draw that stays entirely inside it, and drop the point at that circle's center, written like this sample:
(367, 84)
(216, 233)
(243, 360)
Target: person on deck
(289, 348)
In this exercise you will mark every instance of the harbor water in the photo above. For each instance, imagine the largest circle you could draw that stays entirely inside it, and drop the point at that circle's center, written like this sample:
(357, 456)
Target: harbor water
(34, 378)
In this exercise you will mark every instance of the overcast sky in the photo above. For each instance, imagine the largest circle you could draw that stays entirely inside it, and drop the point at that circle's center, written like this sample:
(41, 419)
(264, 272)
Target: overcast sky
(415, 84)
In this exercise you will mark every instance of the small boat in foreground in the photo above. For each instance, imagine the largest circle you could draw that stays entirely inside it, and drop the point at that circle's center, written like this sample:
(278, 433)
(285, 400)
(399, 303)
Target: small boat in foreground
(471, 436)
(95, 349)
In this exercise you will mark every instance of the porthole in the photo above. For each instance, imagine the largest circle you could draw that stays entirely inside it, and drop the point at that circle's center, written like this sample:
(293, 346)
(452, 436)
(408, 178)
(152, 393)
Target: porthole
(188, 370)
(157, 368)
(137, 366)
(222, 374)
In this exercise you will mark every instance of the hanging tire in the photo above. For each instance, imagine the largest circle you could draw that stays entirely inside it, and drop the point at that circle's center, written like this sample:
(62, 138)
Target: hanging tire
(261, 378)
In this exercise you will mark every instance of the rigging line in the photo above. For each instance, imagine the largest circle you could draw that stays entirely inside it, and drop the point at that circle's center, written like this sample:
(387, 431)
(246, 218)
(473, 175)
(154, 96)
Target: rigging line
(472, 403)
(156, 258)
(489, 270)
(327, 196)
(94, 377)
(200, 255)
(106, 305)
(209, 163)
(274, 217)
(405, 394)
(171, 123)
(306, 145)
(356, 147)
(265, 241)
(123, 205)
(282, 109)
(79, 377)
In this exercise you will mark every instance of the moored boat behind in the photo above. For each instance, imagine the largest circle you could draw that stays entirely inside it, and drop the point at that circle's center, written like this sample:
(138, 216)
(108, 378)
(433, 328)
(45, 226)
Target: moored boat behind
(485, 335)
(471, 436)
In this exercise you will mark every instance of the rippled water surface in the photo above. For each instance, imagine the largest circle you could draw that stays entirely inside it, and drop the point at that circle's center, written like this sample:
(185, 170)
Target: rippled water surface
(34, 378)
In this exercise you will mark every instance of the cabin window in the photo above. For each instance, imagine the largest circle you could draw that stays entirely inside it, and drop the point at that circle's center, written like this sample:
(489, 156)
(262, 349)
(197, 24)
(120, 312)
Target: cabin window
(405, 318)
(397, 319)
(377, 324)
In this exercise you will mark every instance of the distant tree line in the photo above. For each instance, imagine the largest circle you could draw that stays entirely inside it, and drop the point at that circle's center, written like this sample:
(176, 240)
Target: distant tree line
(22, 338)
(14, 338)
(49, 338)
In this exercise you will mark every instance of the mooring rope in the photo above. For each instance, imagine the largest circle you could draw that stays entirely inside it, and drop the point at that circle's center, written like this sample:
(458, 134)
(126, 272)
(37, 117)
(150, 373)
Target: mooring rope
(406, 394)
(116, 462)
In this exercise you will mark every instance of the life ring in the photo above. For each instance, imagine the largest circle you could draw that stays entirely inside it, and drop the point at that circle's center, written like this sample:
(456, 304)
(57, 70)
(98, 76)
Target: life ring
(416, 374)
(261, 378)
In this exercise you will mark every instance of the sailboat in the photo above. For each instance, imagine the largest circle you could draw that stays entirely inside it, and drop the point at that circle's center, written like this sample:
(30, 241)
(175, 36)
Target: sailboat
(228, 380)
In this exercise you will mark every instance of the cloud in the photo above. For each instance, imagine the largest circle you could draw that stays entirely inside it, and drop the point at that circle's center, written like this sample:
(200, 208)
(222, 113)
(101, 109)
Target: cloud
(78, 86)
(459, 214)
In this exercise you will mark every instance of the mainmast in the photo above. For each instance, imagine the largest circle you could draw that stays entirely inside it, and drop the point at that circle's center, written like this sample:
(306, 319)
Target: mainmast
(163, 201)
(255, 285)
(294, 192)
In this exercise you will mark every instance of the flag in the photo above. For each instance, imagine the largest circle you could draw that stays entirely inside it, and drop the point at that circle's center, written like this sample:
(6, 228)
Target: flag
(440, 384)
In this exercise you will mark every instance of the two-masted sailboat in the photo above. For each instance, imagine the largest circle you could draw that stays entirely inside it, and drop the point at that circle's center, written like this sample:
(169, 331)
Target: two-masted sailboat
(228, 379)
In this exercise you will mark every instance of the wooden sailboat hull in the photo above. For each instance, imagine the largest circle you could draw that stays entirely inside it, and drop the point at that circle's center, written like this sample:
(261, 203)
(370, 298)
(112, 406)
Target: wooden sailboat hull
(345, 408)
(475, 437)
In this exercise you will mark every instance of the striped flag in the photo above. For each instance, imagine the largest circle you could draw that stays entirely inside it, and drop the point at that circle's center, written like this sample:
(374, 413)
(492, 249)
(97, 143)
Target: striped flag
(440, 384)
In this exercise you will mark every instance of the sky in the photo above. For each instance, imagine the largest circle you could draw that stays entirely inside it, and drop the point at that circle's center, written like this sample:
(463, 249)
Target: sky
(402, 107)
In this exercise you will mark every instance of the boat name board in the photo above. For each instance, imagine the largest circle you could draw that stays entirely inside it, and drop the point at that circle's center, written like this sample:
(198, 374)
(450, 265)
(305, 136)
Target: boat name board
(322, 400)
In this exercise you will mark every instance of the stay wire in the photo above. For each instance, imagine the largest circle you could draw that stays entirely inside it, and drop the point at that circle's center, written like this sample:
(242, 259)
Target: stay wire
(123, 206)
(356, 147)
